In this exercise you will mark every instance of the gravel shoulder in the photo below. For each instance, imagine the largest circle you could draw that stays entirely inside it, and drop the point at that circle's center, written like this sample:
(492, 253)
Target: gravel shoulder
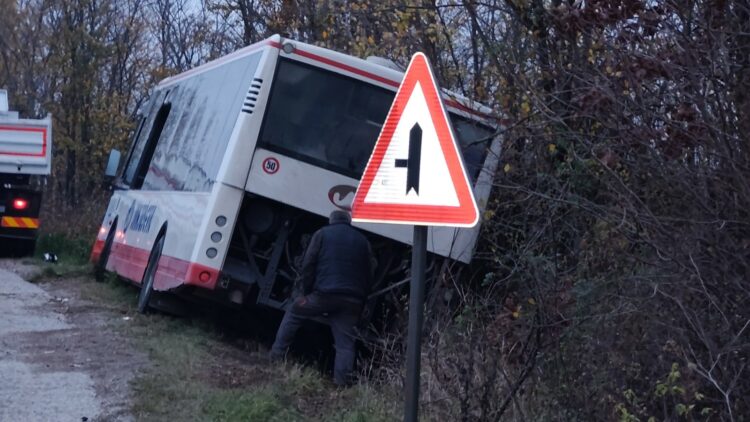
(61, 356)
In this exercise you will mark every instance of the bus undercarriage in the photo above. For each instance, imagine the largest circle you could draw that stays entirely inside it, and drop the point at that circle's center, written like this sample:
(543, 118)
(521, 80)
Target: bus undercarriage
(265, 258)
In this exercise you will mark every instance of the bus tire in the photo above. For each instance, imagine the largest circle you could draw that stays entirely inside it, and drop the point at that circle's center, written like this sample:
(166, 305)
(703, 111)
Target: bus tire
(147, 283)
(100, 269)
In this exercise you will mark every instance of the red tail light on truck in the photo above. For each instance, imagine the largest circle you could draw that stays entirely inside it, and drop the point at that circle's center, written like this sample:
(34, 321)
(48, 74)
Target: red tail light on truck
(20, 204)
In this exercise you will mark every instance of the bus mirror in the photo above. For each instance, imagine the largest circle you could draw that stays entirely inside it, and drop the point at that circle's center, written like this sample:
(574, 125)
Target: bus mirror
(112, 163)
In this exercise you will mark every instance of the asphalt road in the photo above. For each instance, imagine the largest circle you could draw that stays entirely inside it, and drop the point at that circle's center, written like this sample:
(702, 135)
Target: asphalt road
(46, 371)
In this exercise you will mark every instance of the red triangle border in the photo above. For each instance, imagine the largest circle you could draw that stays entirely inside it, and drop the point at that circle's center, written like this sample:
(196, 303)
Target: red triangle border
(463, 215)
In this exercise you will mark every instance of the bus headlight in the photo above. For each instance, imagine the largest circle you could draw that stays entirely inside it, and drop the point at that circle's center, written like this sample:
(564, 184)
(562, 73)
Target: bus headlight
(221, 220)
(216, 237)
(211, 252)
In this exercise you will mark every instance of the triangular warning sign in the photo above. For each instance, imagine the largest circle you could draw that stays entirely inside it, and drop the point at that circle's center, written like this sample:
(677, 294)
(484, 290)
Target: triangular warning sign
(415, 174)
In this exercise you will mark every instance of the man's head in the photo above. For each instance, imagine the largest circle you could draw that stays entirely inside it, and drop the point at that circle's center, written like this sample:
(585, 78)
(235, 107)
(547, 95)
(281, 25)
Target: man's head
(339, 217)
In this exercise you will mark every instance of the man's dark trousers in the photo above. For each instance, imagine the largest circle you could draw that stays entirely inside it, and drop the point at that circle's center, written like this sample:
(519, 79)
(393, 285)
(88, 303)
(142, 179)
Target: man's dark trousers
(341, 312)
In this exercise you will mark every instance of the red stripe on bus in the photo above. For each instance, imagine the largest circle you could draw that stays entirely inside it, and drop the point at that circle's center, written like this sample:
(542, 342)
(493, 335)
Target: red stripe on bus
(340, 65)
(43, 131)
(130, 262)
(456, 104)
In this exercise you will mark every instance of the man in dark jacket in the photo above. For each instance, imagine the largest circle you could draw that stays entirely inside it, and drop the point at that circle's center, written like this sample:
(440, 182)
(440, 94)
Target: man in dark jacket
(336, 273)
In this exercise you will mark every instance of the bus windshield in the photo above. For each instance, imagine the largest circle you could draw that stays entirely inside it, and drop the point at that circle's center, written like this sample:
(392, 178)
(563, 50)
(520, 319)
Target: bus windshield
(333, 121)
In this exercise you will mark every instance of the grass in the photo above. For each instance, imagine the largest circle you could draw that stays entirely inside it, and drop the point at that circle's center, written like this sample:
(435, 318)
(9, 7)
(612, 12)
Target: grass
(196, 375)
(111, 291)
(190, 381)
(171, 389)
(68, 250)
(260, 405)
(55, 270)
(367, 404)
(72, 257)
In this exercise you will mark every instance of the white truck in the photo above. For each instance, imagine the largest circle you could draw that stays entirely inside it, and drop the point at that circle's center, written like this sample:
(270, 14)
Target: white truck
(237, 162)
(25, 161)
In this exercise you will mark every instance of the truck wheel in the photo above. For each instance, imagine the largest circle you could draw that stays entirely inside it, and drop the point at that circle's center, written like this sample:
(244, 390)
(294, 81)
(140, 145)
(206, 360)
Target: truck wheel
(147, 284)
(100, 269)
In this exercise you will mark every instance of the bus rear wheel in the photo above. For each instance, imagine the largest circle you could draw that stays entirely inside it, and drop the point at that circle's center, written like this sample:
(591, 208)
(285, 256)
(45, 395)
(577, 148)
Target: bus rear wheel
(147, 283)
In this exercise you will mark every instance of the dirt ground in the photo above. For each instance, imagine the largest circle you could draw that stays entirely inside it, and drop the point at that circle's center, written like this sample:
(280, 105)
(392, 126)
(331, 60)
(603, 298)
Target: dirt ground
(60, 358)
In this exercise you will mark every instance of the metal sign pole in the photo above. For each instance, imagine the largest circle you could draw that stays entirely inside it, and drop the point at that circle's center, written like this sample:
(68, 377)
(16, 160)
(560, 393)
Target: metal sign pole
(416, 302)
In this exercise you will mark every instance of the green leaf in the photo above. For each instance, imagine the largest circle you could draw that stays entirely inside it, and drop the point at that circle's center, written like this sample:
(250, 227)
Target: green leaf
(681, 409)
(661, 390)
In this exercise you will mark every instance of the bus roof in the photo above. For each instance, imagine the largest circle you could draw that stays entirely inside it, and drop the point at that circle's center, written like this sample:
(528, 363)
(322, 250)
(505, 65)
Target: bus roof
(342, 63)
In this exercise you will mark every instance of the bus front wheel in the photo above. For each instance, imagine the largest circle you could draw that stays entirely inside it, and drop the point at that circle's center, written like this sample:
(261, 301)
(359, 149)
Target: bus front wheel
(147, 283)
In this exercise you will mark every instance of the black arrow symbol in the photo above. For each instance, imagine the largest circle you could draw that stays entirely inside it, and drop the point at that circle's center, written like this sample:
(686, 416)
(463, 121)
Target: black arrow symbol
(412, 164)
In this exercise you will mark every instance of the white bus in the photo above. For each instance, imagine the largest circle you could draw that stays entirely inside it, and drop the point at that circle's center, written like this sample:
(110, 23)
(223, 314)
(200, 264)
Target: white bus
(235, 164)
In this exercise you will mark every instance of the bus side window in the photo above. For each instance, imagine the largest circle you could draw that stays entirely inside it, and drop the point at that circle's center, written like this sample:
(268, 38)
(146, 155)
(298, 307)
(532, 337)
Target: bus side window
(474, 139)
(141, 160)
(131, 150)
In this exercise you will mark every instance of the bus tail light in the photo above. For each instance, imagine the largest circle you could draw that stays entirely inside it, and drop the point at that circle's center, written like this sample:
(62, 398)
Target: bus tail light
(202, 276)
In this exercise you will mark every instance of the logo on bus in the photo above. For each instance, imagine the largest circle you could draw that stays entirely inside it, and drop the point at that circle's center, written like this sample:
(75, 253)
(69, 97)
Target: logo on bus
(271, 165)
(339, 196)
(139, 217)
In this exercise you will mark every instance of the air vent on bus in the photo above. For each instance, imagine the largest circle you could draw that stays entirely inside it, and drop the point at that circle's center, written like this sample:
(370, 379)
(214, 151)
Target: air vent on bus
(252, 96)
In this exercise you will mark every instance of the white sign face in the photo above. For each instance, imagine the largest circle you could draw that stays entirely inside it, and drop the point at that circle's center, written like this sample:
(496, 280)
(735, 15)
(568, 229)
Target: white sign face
(394, 181)
(415, 174)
